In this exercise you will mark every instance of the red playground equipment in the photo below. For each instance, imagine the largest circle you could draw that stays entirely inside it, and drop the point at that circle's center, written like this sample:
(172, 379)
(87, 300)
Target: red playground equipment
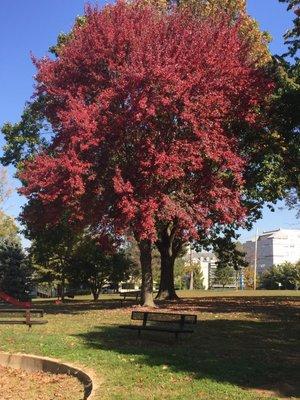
(20, 315)
(11, 300)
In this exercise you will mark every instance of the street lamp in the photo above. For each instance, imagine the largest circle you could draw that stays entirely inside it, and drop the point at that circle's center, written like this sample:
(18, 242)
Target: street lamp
(255, 260)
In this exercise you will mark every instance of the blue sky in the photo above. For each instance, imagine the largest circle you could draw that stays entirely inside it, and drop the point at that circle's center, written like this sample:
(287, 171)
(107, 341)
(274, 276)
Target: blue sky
(33, 25)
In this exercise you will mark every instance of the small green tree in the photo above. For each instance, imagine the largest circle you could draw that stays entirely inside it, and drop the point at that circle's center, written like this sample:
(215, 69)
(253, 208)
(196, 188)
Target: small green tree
(51, 253)
(8, 227)
(224, 276)
(122, 268)
(285, 276)
(198, 278)
(179, 274)
(188, 275)
(15, 271)
(92, 266)
(248, 275)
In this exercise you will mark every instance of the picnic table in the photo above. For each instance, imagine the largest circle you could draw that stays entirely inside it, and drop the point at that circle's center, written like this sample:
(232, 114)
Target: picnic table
(161, 322)
(14, 316)
(130, 295)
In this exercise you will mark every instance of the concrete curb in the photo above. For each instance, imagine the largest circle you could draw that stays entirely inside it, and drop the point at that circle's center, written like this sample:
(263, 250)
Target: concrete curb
(30, 362)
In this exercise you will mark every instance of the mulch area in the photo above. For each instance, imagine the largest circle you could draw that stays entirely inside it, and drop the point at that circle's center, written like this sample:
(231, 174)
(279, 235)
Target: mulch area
(17, 384)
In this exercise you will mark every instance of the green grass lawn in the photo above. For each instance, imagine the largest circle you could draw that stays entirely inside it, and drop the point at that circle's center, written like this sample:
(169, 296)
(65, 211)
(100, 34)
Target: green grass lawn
(244, 346)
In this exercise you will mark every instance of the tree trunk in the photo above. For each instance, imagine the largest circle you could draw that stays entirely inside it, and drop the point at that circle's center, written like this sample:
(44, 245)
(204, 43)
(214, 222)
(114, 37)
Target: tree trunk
(95, 295)
(95, 287)
(169, 250)
(147, 278)
(192, 280)
(63, 284)
(166, 286)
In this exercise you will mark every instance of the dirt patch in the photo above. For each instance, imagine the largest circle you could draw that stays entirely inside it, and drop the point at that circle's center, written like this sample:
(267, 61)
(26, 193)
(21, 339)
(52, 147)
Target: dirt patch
(16, 384)
(288, 389)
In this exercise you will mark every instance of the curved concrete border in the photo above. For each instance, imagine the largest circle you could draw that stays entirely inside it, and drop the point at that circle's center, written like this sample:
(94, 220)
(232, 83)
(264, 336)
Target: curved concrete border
(30, 362)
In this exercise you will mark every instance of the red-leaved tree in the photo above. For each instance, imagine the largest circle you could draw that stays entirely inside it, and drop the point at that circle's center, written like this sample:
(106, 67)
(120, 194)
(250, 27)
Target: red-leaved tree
(139, 102)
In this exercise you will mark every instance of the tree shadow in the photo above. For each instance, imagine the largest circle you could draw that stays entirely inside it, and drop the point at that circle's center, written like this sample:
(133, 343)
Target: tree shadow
(272, 307)
(256, 355)
(269, 307)
(80, 306)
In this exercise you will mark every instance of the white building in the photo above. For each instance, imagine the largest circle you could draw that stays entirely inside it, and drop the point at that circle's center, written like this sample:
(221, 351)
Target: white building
(273, 248)
(207, 262)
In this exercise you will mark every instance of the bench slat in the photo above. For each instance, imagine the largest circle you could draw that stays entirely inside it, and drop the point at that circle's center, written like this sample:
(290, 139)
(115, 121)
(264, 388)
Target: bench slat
(23, 321)
(131, 294)
(20, 310)
(36, 313)
(164, 317)
(18, 316)
(155, 328)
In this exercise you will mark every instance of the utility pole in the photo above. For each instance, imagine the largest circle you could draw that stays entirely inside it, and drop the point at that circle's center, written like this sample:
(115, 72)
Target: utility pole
(191, 270)
(255, 260)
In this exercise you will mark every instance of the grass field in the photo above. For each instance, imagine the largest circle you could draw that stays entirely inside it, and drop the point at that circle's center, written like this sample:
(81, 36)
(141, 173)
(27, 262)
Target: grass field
(244, 346)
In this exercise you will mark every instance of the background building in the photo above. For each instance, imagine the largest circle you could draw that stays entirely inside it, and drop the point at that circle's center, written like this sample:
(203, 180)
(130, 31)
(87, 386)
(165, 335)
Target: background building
(207, 262)
(273, 248)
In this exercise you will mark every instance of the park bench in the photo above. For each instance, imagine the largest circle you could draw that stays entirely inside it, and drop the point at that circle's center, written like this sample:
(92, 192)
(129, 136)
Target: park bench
(130, 295)
(21, 316)
(161, 322)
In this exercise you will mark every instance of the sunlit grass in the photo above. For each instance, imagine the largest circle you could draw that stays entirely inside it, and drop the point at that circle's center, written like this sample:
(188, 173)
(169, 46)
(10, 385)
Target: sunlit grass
(200, 293)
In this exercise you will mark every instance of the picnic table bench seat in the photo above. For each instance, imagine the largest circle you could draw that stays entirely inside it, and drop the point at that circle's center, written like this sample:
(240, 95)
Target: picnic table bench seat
(130, 295)
(161, 322)
(20, 316)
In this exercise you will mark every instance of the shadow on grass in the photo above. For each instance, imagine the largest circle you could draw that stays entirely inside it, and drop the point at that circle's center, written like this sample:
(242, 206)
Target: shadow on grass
(273, 307)
(79, 306)
(284, 308)
(252, 355)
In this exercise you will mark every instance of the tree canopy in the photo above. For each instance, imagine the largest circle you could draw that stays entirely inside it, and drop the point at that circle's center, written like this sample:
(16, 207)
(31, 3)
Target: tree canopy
(236, 10)
(120, 110)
